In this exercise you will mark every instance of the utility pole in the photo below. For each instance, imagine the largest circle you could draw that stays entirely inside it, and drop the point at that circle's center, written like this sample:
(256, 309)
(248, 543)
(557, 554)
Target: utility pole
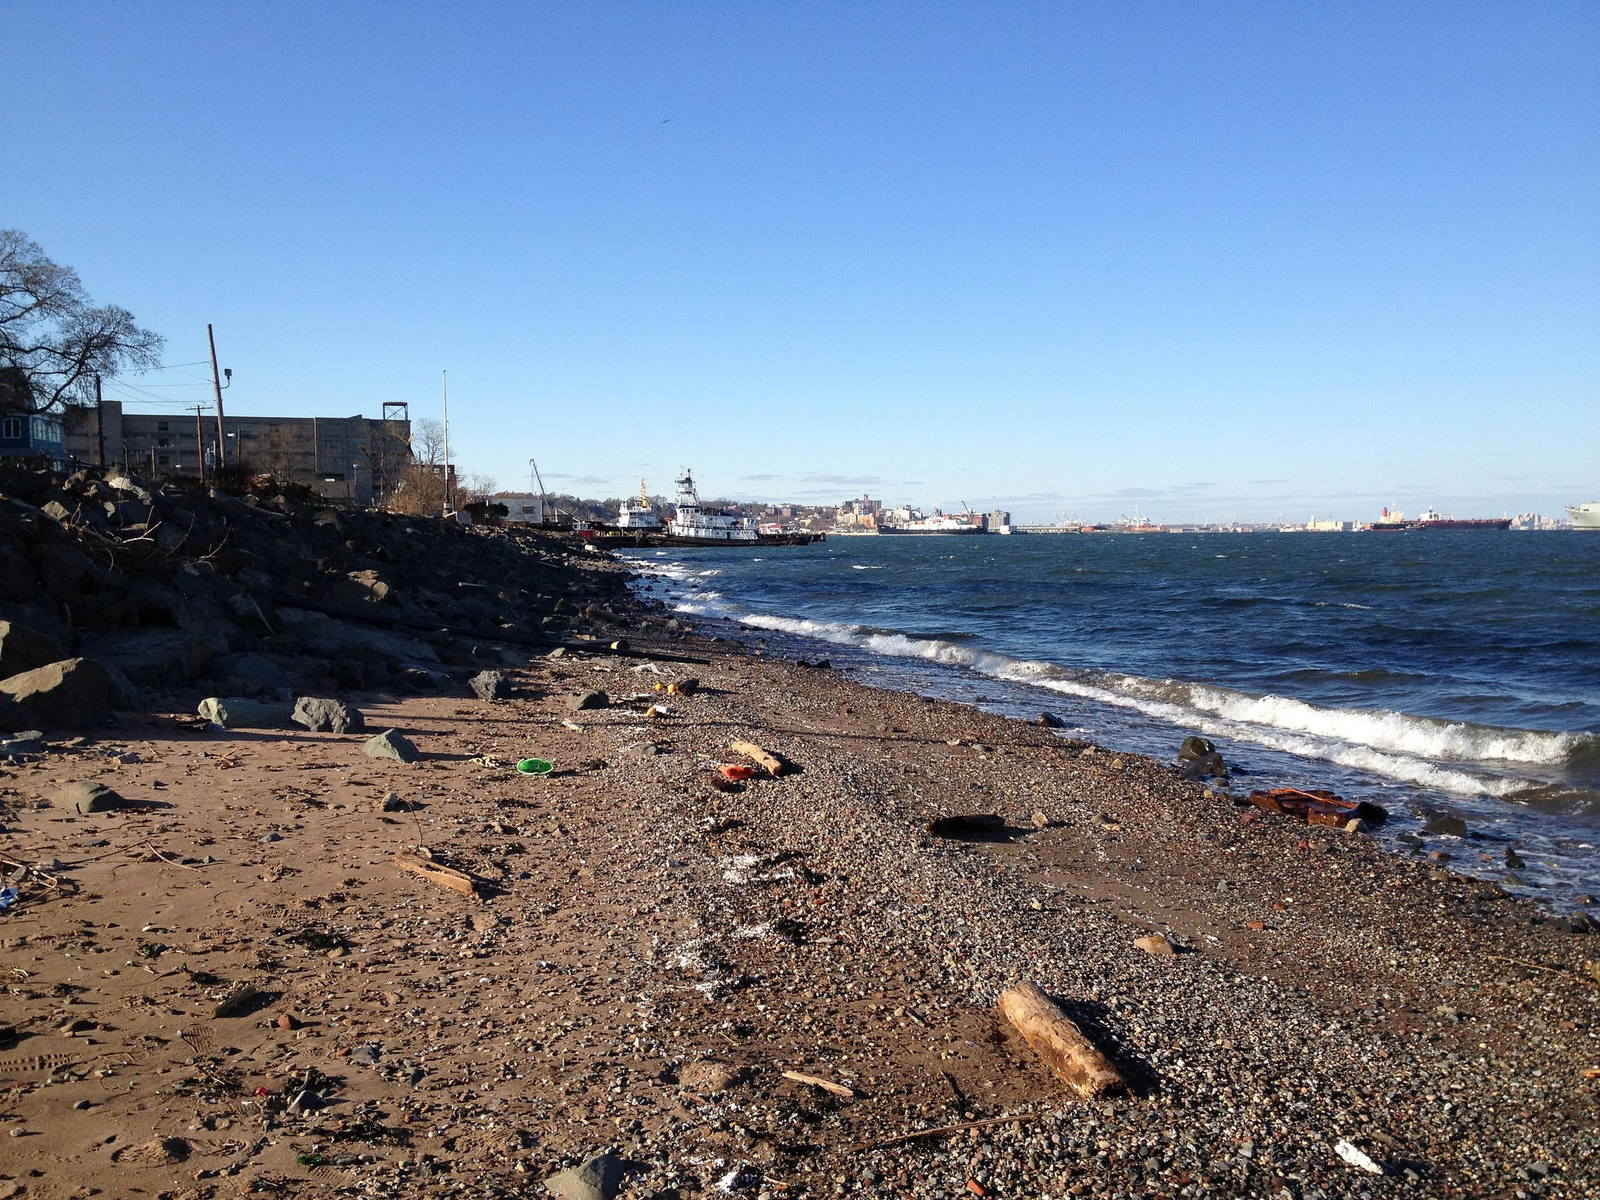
(200, 442)
(99, 422)
(444, 391)
(216, 383)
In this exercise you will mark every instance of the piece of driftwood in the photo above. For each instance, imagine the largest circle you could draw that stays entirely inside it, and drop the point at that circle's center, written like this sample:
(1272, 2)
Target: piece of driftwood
(456, 881)
(827, 1085)
(1058, 1040)
(768, 760)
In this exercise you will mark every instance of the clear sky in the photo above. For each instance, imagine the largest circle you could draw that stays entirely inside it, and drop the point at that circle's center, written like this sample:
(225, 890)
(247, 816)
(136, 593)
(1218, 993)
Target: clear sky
(1197, 260)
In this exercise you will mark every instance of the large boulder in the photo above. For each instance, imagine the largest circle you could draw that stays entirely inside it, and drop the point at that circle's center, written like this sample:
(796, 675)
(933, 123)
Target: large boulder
(70, 694)
(490, 685)
(23, 649)
(327, 716)
(240, 712)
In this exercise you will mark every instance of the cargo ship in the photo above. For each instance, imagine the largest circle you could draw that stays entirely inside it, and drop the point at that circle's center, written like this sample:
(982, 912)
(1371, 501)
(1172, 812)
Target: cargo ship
(1392, 521)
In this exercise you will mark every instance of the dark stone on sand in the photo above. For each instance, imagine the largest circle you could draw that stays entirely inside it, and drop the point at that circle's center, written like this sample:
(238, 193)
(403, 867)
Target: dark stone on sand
(391, 743)
(598, 1179)
(240, 712)
(1195, 747)
(86, 798)
(1050, 721)
(322, 715)
(589, 700)
(490, 685)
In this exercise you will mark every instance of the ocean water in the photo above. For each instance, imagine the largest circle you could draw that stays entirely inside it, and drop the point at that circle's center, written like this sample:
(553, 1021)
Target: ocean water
(1454, 672)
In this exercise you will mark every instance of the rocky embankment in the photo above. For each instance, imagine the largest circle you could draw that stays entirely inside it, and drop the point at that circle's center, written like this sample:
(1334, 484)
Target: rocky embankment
(114, 594)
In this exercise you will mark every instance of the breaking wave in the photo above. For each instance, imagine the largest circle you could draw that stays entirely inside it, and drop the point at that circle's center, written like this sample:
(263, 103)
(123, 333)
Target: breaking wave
(1420, 750)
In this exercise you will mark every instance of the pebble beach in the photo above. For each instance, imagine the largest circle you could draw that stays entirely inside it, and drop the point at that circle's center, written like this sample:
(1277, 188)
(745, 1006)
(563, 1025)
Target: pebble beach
(644, 954)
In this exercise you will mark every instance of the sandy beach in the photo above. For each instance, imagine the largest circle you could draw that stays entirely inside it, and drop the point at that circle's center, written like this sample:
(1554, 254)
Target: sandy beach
(646, 955)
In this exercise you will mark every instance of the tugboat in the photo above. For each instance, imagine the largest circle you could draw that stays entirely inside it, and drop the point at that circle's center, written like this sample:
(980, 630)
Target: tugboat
(637, 514)
(693, 524)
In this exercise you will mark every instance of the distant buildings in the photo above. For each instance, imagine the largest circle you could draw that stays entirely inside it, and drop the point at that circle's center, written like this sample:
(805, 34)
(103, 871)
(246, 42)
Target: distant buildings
(522, 508)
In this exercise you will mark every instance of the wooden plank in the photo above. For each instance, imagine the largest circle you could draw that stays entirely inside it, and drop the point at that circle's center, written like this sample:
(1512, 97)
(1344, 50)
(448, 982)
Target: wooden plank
(443, 876)
(1058, 1040)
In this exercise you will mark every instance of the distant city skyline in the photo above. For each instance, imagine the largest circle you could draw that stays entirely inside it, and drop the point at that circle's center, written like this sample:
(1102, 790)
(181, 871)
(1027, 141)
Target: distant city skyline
(1237, 261)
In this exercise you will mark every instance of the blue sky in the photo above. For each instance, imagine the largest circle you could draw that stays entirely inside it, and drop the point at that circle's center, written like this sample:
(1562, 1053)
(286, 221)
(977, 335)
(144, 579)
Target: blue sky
(1204, 260)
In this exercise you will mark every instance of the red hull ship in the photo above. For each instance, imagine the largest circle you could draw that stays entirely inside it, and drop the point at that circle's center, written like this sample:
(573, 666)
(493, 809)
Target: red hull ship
(1393, 522)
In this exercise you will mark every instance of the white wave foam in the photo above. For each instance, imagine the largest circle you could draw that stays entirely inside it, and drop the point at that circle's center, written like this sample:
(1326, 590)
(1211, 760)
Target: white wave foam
(1419, 737)
(1390, 744)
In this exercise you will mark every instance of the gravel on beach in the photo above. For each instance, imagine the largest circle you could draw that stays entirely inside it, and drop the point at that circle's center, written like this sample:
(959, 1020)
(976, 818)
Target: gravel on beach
(649, 952)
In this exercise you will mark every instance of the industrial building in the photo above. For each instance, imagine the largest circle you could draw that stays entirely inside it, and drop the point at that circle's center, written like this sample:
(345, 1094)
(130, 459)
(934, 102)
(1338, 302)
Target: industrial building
(358, 459)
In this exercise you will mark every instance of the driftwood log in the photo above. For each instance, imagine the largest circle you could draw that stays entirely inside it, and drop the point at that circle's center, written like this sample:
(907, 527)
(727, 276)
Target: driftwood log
(770, 762)
(1056, 1039)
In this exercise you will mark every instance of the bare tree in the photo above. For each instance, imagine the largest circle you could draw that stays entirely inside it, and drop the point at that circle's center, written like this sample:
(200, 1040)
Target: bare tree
(53, 341)
(427, 442)
(476, 486)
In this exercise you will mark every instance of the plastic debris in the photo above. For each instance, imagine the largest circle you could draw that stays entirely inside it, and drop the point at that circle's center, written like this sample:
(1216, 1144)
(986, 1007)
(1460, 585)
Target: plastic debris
(8, 896)
(536, 766)
(1356, 1158)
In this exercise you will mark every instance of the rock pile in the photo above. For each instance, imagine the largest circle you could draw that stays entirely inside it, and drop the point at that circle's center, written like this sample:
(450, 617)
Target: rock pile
(112, 590)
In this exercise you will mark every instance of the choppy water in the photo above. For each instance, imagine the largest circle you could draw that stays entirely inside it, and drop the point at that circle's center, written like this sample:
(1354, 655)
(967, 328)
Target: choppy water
(1429, 671)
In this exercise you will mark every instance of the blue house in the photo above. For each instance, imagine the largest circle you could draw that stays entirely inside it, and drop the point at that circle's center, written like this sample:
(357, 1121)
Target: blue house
(33, 435)
(24, 433)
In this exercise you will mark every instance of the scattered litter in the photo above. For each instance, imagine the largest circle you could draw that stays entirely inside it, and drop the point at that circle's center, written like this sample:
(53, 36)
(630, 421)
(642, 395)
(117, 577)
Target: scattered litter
(736, 771)
(536, 766)
(1356, 1158)
(8, 896)
(1317, 807)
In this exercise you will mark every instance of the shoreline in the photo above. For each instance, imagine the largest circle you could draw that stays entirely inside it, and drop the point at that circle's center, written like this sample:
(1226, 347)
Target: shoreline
(1556, 844)
(655, 953)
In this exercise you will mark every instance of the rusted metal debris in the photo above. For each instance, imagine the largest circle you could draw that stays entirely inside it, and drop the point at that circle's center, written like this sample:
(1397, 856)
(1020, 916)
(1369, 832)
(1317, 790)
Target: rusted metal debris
(1317, 807)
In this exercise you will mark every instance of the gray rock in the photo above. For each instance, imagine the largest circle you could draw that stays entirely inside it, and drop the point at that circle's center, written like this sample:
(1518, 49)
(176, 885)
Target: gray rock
(327, 716)
(24, 741)
(1195, 747)
(391, 743)
(1445, 825)
(24, 649)
(1050, 721)
(86, 798)
(490, 685)
(598, 1179)
(239, 712)
(61, 695)
(589, 700)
